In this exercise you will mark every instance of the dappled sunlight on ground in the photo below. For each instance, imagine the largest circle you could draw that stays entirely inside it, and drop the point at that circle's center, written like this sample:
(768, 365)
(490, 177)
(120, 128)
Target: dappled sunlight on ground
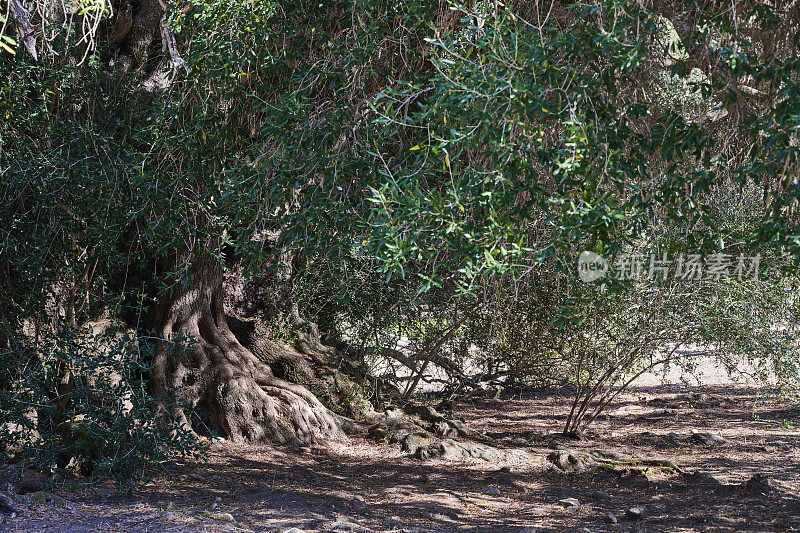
(378, 487)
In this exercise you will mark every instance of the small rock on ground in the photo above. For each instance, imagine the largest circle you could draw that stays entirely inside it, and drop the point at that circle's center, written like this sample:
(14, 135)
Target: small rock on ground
(634, 513)
(708, 439)
(492, 490)
(759, 484)
(7, 505)
(225, 517)
(358, 503)
(570, 503)
(392, 523)
(441, 513)
(22, 480)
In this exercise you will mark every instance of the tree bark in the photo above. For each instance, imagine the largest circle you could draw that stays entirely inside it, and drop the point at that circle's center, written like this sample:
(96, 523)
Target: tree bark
(200, 365)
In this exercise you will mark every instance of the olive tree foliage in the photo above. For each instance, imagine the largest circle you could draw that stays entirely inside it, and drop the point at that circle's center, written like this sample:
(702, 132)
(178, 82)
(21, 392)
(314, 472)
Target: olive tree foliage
(402, 168)
(129, 196)
(569, 132)
(73, 397)
(615, 131)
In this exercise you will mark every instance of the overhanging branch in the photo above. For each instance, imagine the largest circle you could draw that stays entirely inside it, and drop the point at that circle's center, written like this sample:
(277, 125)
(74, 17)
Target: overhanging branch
(168, 44)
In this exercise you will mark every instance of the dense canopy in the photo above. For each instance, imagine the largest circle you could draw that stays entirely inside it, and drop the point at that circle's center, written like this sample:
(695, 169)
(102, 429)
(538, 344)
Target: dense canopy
(268, 220)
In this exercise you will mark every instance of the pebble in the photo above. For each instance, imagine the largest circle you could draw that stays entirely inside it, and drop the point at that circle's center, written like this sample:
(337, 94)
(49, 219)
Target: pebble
(570, 503)
(227, 517)
(359, 503)
(492, 490)
(634, 513)
(7, 506)
(392, 522)
(709, 439)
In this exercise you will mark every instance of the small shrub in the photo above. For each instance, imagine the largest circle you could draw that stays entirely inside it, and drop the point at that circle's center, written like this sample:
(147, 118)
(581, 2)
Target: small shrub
(82, 403)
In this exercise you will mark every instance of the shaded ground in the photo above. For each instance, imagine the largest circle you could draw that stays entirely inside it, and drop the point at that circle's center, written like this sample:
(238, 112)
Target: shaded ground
(358, 485)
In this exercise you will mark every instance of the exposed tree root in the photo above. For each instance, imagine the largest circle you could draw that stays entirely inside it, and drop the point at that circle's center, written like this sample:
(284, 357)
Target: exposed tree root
(309, 363)
(572, 461)
(429, 435)
(201, 366)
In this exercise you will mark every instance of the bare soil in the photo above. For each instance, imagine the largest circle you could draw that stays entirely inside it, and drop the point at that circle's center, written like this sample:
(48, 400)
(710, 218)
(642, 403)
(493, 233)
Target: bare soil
(359, 485)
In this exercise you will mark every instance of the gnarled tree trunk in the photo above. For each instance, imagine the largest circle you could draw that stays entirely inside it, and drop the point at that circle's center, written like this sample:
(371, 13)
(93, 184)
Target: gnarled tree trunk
(214, 373)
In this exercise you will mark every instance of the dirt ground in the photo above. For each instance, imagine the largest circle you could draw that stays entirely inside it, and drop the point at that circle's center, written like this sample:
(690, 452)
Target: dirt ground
(362, 486)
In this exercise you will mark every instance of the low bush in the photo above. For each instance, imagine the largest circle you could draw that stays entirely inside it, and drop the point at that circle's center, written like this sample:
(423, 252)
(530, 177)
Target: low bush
(80, 402)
